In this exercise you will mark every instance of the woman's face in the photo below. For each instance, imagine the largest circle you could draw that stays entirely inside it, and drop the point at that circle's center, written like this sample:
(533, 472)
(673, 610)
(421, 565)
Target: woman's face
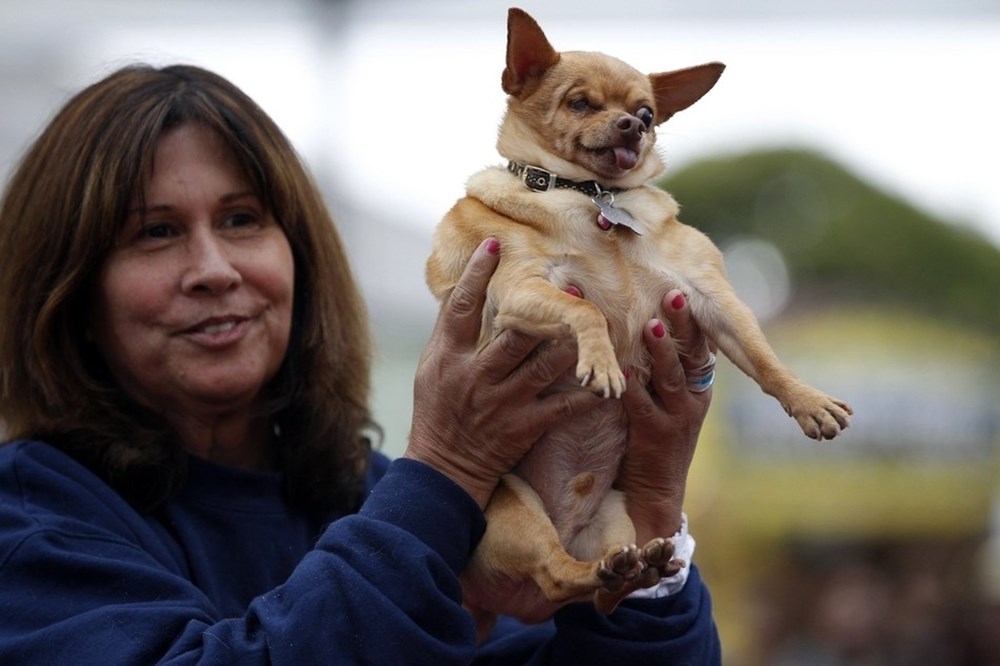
(194, 306)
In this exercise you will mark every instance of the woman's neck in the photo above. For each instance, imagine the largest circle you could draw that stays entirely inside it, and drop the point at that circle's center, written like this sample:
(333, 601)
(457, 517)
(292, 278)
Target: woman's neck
(236, 440)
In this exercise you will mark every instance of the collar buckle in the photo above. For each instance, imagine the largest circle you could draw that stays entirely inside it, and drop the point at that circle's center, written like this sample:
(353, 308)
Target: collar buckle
(537, 179)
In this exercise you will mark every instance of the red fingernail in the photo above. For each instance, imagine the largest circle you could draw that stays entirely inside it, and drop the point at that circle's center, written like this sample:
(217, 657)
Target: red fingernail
(573, 291)
(659, 330)
(493, 246)
(678, 302)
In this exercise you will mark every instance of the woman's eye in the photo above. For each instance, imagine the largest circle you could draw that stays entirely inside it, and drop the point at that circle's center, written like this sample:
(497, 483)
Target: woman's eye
(156, 230)
(645, 114)
(242, 220)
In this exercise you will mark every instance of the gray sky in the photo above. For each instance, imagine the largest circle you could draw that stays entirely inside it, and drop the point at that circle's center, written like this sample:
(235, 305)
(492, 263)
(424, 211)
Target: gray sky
(395, 103)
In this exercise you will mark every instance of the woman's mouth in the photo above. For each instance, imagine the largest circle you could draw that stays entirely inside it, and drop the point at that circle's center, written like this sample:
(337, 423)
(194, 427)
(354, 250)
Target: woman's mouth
(215, 329)
(218, 331)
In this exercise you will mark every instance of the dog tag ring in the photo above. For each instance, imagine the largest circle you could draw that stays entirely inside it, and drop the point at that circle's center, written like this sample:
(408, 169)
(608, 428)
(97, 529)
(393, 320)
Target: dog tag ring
(609, 215)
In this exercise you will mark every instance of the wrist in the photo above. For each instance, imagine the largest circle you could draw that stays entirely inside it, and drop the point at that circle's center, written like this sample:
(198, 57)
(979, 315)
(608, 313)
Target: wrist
(480, 491)
(654, 519)
(684, 545)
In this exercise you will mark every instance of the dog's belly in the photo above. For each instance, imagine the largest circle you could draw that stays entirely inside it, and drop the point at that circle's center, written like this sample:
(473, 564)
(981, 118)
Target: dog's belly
(573, 469)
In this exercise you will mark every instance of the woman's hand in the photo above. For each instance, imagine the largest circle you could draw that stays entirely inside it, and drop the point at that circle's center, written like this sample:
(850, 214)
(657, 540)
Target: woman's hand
(665, 418)
(476, 413)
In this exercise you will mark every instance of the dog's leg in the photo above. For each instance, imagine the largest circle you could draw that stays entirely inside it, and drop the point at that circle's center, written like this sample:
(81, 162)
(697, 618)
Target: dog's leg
(521, 540)
(538, 307)
(733, 327)
(729, 322)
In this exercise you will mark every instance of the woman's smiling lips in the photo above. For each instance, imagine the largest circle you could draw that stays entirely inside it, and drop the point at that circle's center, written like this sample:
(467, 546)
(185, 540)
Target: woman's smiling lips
(218, 331)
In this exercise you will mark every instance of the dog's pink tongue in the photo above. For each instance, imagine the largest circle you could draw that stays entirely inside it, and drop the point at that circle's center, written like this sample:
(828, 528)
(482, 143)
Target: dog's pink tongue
(625, 157)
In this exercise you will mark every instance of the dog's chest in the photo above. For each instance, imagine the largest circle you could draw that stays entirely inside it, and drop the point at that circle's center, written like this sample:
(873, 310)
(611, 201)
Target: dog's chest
(623, 272)
(619, 270)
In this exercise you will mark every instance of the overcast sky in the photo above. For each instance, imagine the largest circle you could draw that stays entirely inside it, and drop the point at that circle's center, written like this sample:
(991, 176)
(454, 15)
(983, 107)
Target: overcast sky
(396, 103)
(906, 99)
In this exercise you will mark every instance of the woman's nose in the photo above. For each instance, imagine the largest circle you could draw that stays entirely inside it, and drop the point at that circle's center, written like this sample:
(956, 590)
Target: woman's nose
(210, 268)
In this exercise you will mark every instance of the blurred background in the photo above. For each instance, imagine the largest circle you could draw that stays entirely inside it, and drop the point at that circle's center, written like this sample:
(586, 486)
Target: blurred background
(846, 163)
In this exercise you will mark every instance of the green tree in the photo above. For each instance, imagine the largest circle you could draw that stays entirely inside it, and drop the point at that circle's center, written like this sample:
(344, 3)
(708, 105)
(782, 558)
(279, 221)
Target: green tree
(841, 235)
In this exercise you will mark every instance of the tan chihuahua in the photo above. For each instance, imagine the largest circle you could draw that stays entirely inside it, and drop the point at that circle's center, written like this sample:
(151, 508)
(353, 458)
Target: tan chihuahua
(573, 208)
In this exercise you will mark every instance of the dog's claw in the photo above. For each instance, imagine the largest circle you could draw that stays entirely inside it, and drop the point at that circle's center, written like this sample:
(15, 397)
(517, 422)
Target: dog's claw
(606, 384)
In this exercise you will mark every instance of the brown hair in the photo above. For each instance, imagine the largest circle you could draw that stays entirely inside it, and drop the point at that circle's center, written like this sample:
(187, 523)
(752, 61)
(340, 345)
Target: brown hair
(59, 218)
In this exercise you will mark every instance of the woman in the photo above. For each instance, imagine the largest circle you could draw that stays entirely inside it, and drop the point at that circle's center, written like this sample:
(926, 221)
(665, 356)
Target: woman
(184, 380)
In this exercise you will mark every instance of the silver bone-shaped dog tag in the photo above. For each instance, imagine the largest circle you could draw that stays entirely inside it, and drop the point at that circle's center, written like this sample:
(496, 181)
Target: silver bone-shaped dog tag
(609, 215)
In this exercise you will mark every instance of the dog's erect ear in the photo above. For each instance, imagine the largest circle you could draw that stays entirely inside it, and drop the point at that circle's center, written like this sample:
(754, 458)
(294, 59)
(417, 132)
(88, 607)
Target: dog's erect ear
(677, 90)
(529, 53)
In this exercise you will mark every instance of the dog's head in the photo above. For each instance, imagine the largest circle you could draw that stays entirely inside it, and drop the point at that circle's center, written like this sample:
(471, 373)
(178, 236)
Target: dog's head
(585, 115)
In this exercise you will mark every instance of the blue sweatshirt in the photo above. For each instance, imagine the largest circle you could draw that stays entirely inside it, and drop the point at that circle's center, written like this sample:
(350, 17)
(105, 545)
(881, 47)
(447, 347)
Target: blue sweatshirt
(226, 573)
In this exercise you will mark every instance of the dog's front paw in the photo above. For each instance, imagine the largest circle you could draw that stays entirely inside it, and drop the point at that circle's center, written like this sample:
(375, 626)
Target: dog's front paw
(819, 415)
(598, 369)
(607, 383)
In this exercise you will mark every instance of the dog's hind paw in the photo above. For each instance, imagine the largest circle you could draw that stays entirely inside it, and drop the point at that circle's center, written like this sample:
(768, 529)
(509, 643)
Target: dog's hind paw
(658, 555)
(619, 566)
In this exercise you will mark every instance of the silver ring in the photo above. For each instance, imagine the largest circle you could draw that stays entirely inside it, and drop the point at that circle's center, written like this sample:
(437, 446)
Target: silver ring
(701, 378)
(701, 384)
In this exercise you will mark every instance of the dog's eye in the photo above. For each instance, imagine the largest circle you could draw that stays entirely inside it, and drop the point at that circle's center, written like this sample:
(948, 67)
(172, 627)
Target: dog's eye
(645, 114)
(579, 104)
